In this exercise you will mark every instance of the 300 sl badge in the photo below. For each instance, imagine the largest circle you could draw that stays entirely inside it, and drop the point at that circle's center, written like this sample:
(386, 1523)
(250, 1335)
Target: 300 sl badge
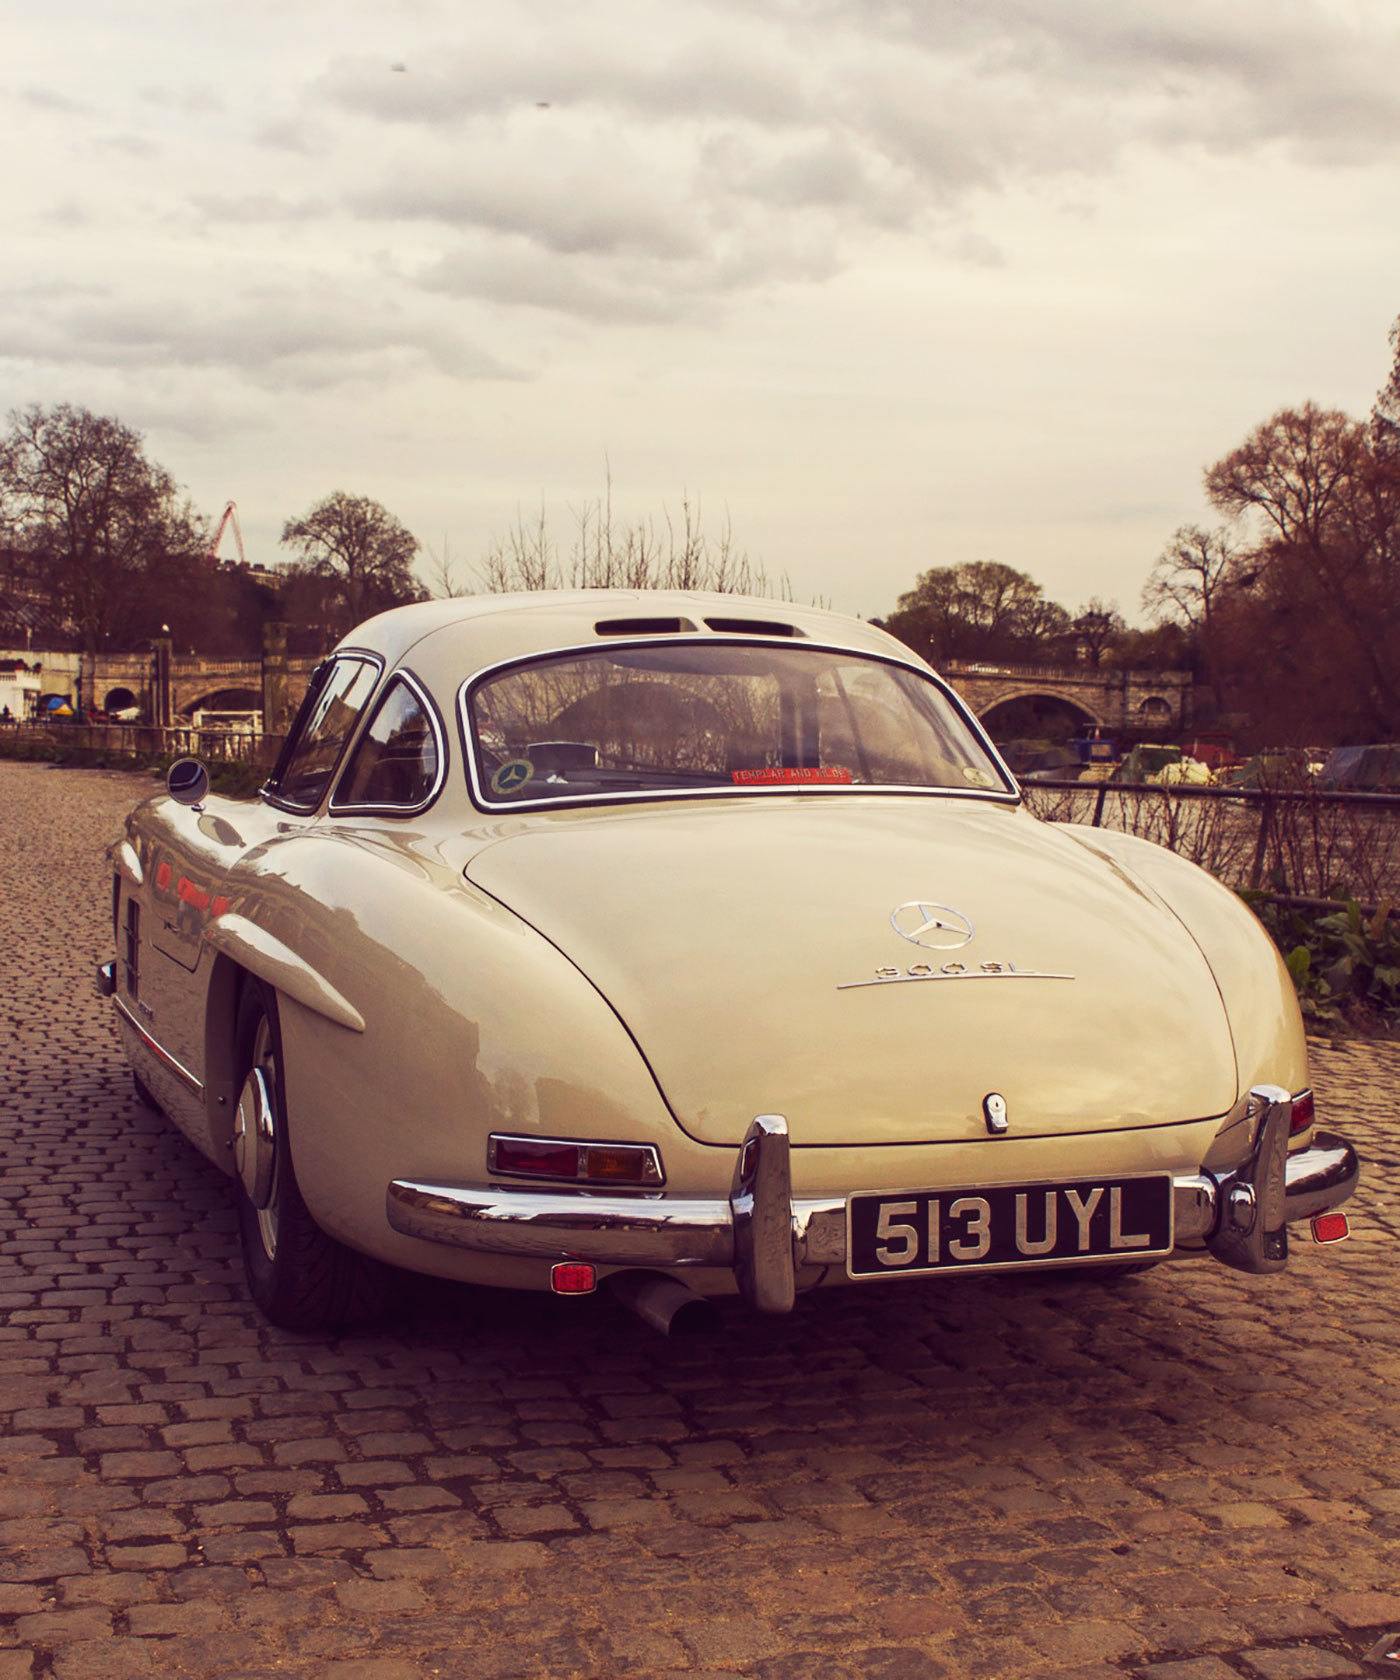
(888, 976)
(942, 928)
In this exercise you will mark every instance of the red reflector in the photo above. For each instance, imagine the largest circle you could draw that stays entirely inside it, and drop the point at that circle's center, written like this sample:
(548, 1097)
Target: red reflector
(545, 1160)
(573, 1277)
(1303, 1112)
(1330, 1227)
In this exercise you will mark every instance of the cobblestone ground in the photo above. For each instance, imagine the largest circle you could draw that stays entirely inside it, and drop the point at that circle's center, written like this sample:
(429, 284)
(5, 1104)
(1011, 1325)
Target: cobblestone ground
(1190, 1476)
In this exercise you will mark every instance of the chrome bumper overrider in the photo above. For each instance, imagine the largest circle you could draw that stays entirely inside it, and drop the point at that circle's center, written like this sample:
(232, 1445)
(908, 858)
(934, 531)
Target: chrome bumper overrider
(767, 1238)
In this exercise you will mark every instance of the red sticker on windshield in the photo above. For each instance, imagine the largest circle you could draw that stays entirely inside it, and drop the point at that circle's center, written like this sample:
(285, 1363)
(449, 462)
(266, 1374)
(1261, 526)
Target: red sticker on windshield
(799, 777)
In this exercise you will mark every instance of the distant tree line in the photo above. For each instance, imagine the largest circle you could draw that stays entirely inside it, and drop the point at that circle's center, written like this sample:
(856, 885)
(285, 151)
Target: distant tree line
(1292, 604)
(99, 549)
(1288, 611)
(984, 611)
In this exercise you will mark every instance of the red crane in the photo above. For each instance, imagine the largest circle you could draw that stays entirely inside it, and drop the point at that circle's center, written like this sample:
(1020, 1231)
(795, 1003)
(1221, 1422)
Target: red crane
(227, 518)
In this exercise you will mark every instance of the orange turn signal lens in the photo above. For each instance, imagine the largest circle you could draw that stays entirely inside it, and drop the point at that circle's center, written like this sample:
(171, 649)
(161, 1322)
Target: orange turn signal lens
(573, 1277)
(1304, 1112)
(621, 1163)
(1330, 1227)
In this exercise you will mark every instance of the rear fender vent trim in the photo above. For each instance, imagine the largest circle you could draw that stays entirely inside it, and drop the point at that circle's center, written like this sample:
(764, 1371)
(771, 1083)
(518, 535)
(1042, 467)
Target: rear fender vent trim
(753, 627)
(643, 626)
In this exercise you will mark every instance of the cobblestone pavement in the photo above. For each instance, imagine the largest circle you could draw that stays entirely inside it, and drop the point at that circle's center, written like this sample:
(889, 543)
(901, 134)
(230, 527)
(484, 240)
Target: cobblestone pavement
(1191, 1475)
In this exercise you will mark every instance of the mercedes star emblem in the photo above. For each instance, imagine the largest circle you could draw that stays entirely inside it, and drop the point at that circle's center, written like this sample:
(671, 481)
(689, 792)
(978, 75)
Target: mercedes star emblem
(933, 926)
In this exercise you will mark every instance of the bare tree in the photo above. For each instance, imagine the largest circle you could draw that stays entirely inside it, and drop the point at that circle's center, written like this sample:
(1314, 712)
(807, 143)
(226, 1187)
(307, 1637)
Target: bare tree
(608, 553)
(1326, 503)
(359, 552)
(104, 524)
(1097, 626)
(1188, 576)
(445, 581)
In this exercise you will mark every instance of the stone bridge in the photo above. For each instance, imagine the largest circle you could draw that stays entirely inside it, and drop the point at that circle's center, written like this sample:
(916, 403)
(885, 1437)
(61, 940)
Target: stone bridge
(1010, 699)
(170, 689)
(1124, 702)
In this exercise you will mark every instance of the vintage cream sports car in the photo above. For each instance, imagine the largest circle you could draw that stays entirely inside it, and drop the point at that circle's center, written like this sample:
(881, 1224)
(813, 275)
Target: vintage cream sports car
(694, 945)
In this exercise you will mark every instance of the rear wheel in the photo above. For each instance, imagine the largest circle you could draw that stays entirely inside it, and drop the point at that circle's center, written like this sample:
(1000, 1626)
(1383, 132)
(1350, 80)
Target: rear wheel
(299, 1277)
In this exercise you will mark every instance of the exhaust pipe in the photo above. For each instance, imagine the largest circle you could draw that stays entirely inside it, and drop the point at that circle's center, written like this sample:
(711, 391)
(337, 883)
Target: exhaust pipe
(664, 1303)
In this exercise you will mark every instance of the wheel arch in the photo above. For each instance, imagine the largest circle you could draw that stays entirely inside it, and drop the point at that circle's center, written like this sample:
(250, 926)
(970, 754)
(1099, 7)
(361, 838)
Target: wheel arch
(222, 1074)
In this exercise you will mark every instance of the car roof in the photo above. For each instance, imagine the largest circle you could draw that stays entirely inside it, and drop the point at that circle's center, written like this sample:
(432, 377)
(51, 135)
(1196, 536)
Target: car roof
(475, 631)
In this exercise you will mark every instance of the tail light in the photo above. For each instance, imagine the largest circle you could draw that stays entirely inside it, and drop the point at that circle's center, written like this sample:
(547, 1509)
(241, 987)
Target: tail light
(575, 1162)
(573, 1277)
(1303, 1112)
(1330, 1228)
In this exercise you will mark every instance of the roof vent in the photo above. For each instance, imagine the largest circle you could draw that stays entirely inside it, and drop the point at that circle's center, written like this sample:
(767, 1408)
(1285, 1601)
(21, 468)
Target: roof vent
(753, 627)
(642, 626)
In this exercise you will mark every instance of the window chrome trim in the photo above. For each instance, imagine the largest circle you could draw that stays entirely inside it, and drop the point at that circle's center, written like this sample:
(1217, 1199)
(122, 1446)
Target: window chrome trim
(364, 656)
(1010, 795)
(435, 723)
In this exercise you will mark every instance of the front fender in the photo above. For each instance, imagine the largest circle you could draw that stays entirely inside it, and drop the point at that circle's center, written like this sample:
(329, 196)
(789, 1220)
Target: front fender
(1261, 1005)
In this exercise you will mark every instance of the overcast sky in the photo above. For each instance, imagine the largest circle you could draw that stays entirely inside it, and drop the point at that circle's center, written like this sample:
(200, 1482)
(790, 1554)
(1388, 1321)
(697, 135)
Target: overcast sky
(895, 283)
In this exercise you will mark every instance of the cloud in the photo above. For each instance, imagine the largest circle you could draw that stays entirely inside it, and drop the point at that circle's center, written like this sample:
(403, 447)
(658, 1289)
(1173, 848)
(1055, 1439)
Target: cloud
(279, 339)
(589, 193)
(742, 136)
(47, 99)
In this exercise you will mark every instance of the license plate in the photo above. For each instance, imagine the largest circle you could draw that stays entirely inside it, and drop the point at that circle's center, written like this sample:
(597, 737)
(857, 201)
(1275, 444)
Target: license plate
(973, 1229)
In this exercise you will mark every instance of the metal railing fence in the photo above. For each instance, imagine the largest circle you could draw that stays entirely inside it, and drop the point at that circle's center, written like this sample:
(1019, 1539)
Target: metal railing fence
(1315, 843)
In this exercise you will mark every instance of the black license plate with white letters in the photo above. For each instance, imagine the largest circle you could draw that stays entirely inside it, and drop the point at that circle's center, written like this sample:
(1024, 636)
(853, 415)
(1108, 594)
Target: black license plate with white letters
(1007, 1225)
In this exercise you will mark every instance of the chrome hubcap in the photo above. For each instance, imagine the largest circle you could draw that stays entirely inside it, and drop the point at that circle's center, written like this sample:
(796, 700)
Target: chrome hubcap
(255, 1139)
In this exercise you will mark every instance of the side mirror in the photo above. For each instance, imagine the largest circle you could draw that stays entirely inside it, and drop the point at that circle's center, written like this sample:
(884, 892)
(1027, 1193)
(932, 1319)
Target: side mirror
(187, 781)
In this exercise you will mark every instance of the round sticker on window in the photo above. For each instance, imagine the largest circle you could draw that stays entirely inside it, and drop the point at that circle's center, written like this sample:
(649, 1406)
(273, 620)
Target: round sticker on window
(514, 773)
(979, 777)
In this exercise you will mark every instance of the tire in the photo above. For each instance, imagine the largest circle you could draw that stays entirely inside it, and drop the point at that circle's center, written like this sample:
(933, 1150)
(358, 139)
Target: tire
(300, 1278)
(144, 1094)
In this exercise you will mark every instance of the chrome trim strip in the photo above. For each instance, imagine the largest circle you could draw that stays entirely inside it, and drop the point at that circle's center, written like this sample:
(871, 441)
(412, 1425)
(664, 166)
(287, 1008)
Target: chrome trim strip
(921, 979)
(435, 723)
(364, 656)
(158, 1050)
(1009, 795)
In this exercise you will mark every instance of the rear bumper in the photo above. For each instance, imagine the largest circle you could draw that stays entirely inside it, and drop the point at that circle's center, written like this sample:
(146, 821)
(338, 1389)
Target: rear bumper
(767, 1237)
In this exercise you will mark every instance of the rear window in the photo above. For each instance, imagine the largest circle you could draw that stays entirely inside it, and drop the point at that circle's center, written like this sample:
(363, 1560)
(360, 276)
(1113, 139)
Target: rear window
(709, 716)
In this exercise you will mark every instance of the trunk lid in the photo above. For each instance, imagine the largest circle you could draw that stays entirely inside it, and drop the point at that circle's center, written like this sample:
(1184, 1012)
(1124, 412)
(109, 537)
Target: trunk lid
(727, 936)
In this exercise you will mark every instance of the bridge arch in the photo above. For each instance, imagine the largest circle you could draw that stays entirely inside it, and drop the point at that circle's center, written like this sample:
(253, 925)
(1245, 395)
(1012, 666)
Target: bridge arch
(119, 698)
(1036, 714)
(240, 699)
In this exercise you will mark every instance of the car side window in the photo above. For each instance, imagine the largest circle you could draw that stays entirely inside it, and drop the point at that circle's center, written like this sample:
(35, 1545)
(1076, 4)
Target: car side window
(329, 720)
(397, 760)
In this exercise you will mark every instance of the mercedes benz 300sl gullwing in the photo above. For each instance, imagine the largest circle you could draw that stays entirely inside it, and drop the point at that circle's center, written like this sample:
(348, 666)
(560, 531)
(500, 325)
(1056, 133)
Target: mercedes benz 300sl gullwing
(693, 946)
